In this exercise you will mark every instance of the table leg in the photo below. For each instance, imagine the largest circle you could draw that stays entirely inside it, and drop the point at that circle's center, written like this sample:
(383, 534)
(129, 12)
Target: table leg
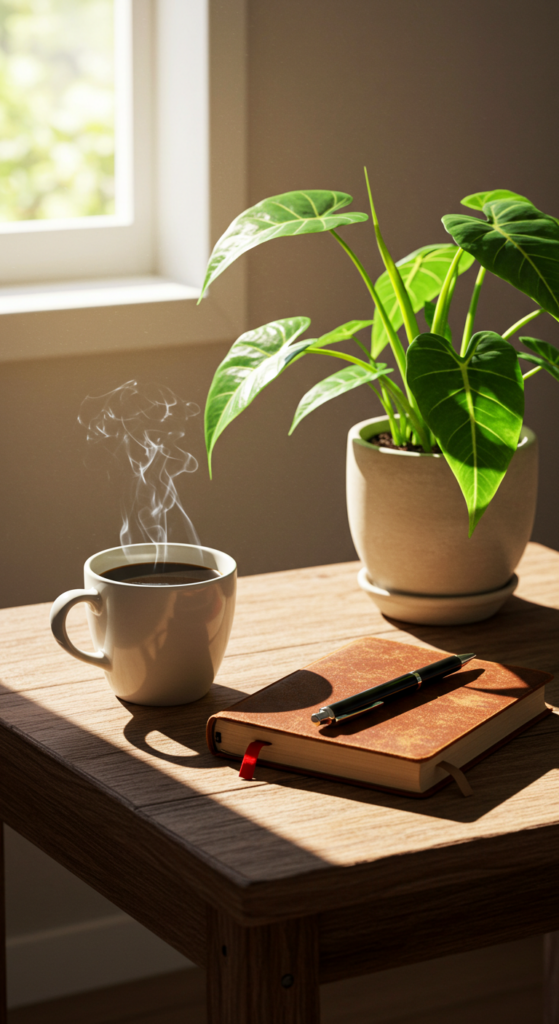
(3, 992)
(262, 975)
(551, 978)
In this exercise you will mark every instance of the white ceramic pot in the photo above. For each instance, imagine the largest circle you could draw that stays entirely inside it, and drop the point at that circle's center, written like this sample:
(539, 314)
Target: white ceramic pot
(409, 523)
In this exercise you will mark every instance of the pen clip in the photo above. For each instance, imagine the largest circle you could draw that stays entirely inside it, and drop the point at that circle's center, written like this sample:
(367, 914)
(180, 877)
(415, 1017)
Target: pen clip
(358, 711)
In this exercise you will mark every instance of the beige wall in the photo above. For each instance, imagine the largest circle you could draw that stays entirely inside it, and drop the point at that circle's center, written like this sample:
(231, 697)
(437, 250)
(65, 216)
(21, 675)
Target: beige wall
(436, 107)
(439, 98)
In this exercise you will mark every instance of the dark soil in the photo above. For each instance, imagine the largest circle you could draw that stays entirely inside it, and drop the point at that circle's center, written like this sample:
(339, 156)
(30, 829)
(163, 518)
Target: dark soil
(385, 440)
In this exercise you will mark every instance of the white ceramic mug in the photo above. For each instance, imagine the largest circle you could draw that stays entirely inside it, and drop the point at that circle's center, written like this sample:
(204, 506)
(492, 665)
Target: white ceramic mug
(158, 645)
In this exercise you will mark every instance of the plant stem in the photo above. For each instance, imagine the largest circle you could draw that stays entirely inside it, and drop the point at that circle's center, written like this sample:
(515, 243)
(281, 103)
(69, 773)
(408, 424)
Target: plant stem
(520, 323)
(408, 411)
(401, 433)
(441, 311)
(469, 324)
(384, 398)
(373, 389)
(412, 411)
(531, 372)
(449, 296)
(338, 355)
(365, 350)
(389, 410)
(408, 315)
(386, 403)
(395, 342)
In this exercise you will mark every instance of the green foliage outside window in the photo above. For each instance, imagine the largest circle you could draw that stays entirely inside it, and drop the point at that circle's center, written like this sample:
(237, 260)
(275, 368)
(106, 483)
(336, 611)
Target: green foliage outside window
(57, 150)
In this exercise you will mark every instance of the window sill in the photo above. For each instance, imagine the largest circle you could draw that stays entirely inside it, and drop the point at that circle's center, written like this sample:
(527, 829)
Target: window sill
(89, 294)
(76, 318)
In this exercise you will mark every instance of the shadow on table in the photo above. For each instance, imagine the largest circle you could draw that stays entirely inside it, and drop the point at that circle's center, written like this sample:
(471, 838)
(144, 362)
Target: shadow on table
(172, 720)
(501, 776)
(517, 764)
(183, 725)
(494, 638)
(187, 804)
(496, 779)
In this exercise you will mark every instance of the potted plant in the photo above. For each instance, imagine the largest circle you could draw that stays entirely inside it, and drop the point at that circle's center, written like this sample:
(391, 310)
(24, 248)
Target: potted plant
(442, 488)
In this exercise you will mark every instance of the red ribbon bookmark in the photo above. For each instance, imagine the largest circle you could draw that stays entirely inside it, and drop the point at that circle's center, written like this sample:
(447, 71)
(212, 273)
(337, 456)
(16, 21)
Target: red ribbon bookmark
(251, 757)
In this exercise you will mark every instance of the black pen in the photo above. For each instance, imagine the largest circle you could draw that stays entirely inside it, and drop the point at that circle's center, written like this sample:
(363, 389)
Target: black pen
(368, 699)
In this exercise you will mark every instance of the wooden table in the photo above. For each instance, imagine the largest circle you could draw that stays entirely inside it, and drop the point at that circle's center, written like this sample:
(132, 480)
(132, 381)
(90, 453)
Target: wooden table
(281, 883)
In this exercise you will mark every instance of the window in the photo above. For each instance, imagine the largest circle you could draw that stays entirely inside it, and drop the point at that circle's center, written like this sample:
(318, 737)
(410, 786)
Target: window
(68, 248)
(156, 249)
(58, 110)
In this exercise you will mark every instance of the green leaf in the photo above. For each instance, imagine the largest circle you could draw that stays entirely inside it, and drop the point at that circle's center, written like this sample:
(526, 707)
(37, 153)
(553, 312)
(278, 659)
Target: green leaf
(423, 273)
(340, 382)
(474, 405)
(253, 361)
(292, 213)
(517, 243)
(429, 314)
(478, 199)
(547, 356)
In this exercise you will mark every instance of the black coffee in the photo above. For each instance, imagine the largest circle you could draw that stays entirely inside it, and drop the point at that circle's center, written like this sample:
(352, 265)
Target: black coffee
(160, 574)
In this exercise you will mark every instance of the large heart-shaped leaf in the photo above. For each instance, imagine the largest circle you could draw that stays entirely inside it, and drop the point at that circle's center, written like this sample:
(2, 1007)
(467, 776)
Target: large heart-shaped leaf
(474, 405)
(253, 361)
(518, 243)
(340, 382)
(478, 199)
(546, 355)
(292, 213)
(423, 273)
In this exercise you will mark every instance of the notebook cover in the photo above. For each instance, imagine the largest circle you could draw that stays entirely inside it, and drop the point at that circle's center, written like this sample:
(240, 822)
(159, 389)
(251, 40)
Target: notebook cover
(417, 727)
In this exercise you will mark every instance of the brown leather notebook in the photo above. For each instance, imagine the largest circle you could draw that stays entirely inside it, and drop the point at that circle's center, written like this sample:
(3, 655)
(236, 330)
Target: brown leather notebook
(397, 747)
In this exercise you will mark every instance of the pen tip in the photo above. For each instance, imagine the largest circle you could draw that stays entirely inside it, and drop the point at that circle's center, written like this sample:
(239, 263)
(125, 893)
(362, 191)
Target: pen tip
(466, 657)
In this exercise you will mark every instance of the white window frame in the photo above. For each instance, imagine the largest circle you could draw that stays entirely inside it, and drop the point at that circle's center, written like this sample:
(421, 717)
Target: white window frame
(196, 187)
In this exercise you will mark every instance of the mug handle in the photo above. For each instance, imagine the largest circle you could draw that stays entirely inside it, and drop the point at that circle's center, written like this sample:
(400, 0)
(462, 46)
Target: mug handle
(58, 614)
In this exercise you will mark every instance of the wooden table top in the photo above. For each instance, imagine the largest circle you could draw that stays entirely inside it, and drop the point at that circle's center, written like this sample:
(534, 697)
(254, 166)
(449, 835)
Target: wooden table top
(130, 798)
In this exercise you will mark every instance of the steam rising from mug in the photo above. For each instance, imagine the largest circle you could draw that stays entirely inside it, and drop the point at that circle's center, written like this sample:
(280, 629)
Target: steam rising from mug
(143, 424)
